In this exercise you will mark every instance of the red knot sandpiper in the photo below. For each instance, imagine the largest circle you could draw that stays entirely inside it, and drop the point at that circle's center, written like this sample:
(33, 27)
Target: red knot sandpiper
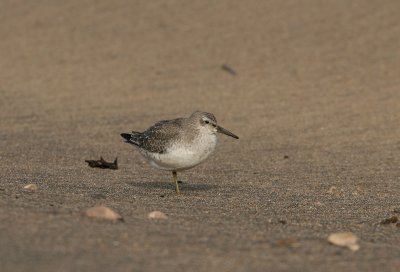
(178, 144)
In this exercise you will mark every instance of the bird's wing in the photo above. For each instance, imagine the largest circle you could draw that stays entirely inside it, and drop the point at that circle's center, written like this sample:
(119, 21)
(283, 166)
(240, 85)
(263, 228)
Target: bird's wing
(158, 137)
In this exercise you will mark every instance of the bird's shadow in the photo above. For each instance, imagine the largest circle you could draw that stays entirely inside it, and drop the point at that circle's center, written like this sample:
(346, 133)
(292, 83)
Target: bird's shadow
(183, 185)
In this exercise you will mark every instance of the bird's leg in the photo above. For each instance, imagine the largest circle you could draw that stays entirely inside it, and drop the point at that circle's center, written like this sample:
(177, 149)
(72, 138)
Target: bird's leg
(175, 177)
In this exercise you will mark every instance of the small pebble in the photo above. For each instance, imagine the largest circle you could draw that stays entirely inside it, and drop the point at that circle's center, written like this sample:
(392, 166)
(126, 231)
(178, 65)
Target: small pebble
(157, 215)
(102, 212)
(30, 187)
(344, 239)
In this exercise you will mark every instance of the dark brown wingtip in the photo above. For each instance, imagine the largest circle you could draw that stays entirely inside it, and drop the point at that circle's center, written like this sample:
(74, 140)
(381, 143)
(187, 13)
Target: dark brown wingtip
(126, 136)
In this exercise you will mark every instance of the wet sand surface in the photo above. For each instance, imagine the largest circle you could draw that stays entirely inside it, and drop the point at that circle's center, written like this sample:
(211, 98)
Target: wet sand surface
(311, 87)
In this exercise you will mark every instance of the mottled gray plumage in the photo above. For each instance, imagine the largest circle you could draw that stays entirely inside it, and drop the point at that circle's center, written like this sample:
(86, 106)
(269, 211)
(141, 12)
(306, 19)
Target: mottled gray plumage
(157, 138)
(161, 135)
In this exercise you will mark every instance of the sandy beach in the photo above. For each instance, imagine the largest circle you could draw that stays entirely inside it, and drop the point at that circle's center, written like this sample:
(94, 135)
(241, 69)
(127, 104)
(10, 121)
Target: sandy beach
(311, 88)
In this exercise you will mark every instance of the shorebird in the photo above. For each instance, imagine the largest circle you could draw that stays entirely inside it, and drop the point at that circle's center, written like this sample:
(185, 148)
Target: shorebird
(178, 144)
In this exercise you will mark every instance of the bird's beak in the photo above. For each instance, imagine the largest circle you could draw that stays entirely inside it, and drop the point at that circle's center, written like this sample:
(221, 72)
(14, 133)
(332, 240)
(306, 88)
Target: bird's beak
(226, 132)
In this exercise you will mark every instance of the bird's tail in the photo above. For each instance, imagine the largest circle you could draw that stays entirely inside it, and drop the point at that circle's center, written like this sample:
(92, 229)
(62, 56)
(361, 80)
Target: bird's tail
(130, 137)
(126, 136)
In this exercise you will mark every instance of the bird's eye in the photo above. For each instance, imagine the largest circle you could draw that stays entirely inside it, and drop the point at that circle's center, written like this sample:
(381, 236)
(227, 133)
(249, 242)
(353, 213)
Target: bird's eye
(206, 121)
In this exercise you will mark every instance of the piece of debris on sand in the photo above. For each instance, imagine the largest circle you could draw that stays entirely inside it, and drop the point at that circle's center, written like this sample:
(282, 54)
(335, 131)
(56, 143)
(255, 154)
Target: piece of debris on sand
(289, 242)
(344, 239)
(102, 212)
(103, 164)
(157, 215)
(390, 220)
(228, 69)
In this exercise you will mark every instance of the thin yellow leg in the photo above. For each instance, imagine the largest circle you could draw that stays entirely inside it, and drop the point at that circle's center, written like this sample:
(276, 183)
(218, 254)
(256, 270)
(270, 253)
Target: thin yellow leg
(175, 176)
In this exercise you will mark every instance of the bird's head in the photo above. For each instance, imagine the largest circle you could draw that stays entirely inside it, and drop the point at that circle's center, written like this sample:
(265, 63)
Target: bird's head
(209, 122)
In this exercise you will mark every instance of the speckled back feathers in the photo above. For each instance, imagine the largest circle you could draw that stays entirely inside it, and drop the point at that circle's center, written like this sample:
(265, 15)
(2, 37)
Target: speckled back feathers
(163, 134)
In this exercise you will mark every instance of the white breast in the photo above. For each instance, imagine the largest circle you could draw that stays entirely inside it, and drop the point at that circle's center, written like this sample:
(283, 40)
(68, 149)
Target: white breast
(181, 155)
